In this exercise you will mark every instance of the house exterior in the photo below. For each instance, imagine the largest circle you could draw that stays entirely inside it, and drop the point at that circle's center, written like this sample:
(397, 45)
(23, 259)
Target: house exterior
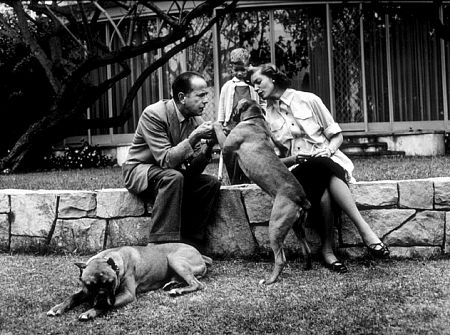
(381, 67)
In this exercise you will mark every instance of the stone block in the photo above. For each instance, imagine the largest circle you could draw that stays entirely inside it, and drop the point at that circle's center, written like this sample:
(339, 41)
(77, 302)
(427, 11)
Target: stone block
(442, 193)
(425, 229)
(416, 194)
(33, 213)
(291, 243)
(352, 252)
(375, 194)
(79, 235)
(77, 204)
(4, 232)
(230, 233)
(4, 203)
(382, 221)
(115, 203)
(416, 252)
(128, 231)
(28, 244)
(258, 204)
(447, 233)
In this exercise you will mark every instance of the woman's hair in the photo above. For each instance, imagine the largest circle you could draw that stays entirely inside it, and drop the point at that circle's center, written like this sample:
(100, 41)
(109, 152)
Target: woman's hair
(270, 70)
(182, 83)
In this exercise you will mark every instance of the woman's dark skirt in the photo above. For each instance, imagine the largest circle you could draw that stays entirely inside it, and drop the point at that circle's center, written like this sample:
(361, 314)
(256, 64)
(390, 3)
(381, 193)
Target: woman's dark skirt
(314, 175)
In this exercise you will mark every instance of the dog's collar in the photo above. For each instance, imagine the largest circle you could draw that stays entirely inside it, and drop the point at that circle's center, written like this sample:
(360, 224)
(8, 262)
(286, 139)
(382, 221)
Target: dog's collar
(254, 117)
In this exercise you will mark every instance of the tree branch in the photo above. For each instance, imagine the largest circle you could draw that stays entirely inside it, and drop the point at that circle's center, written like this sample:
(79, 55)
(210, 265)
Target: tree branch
(126, 111)
(159, 12)
(34, 46)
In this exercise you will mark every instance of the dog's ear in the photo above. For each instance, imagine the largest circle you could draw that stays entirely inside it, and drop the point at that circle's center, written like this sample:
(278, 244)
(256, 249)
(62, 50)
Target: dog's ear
(242, 105)
(81, 266)
(112, 264)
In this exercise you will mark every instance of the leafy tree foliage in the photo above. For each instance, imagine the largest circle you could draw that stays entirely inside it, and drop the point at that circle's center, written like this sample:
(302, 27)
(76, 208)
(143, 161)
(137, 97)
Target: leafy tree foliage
(49, 49)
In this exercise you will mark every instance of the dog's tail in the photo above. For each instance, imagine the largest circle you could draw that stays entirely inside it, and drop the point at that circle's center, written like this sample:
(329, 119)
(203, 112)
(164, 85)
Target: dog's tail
(208, 261)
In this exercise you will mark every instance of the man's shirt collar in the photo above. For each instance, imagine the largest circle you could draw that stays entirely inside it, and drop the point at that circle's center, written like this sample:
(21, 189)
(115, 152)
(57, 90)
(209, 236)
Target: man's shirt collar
(180, 116)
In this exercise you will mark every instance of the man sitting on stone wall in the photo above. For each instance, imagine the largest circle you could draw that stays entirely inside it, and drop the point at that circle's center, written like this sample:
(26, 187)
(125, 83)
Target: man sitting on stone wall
(166, 161)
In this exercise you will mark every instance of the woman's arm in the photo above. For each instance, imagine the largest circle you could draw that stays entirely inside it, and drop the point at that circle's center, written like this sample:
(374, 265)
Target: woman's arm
(334, 143)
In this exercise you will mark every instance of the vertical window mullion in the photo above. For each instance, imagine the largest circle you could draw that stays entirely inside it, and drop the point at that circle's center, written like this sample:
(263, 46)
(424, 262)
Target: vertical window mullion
(444, 74)
(216, 61)
(389, 74)
(108, 76)
(330, 60)
(160, 69)
(272, 37)
(363, 69)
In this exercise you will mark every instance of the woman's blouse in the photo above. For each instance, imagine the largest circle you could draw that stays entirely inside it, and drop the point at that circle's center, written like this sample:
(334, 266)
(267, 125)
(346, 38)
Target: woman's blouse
(303, 124)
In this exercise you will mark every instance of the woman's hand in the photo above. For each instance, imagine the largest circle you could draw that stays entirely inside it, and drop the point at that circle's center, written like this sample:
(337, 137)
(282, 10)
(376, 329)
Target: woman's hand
(323, 152)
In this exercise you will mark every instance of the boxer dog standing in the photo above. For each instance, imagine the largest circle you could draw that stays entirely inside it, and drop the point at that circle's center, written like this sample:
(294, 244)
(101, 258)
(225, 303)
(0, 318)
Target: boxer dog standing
(114, 276)
(254, 145)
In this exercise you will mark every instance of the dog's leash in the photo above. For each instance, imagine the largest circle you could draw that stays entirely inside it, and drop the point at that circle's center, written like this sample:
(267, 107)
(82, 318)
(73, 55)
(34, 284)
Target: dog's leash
(220, 171)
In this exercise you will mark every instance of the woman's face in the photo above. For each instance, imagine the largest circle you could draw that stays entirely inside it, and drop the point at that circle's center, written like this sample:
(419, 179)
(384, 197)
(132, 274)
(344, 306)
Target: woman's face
(263, 85)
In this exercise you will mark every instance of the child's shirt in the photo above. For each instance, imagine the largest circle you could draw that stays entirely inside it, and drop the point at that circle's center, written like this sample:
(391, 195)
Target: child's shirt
(230, 94)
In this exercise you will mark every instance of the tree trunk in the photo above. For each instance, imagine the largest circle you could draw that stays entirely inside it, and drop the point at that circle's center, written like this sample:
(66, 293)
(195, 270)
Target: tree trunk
(51, 128)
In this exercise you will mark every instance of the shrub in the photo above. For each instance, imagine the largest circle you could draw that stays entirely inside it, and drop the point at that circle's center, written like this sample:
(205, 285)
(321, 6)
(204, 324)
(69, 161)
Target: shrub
(78, 157)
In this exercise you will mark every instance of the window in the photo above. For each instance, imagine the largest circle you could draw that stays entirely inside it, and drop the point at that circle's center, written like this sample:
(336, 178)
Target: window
(416, 64)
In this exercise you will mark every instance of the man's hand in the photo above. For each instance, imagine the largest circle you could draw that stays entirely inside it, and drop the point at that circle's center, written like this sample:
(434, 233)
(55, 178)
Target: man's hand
(205, 130)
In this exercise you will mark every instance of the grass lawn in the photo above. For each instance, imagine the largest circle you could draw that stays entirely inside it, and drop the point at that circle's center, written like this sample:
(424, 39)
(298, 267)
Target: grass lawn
(366, 169)
(388, 297)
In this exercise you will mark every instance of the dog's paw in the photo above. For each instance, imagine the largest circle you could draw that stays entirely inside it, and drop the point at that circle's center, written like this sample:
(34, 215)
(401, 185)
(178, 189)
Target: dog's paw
(175, 292)
(88, 315)
(171, 285)
(266, 282)
(55, 311)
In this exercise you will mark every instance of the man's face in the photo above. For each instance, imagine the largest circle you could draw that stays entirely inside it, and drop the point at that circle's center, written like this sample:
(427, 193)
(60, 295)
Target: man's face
(193, 103)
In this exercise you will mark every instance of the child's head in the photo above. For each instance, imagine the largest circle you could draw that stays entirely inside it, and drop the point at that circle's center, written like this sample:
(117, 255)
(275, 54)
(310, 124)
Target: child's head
(239, 61)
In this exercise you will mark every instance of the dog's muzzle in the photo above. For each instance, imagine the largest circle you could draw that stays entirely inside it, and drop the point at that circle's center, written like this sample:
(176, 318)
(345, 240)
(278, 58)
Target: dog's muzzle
(104, 298)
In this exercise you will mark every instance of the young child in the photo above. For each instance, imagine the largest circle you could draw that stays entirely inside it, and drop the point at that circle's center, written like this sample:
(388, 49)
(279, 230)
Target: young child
(232, 91)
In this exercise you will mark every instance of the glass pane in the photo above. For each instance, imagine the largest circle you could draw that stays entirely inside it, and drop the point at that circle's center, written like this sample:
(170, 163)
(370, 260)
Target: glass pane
(148, 93)
(416, 65)
(249, 29)
(347, 63)
(99, 110)
(300, 48)
(199, 57)
(447, 51)
(376, 65)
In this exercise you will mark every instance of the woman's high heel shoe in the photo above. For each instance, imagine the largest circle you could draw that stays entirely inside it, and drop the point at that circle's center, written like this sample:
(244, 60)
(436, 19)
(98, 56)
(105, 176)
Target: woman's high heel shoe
(378, 250)
(336, 266)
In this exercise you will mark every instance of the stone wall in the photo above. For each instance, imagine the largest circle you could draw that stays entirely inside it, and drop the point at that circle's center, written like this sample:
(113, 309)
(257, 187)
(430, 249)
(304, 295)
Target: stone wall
(409, 215)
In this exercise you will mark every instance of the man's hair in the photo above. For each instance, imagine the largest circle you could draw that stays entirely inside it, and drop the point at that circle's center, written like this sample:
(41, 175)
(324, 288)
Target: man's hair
(183, 83)
(280, 79)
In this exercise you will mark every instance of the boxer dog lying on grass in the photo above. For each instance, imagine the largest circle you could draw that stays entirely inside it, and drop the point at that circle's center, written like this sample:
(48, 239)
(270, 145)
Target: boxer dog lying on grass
(114, 276)
(254, 145)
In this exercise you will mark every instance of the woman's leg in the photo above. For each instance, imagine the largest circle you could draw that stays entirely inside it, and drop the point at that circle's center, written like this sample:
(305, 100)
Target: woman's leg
(327, 228)
(342, 196)
(327, 235)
